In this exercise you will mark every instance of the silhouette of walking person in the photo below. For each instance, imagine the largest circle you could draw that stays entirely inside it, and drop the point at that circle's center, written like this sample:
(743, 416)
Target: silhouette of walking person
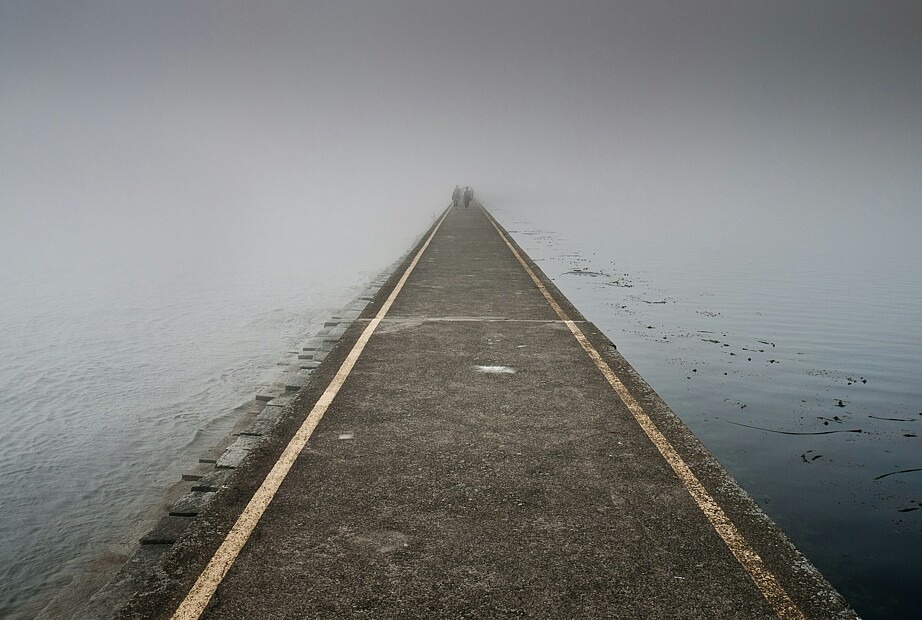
(455, 196)
(468, 195)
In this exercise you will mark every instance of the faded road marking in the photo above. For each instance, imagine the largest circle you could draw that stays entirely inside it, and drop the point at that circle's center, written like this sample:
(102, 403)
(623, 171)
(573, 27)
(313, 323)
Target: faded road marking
(764, 579)
(208, 581)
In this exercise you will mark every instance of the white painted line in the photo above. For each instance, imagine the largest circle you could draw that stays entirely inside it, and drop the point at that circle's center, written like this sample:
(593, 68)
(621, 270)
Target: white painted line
(496, 370)
(206, 585)
(764, 579)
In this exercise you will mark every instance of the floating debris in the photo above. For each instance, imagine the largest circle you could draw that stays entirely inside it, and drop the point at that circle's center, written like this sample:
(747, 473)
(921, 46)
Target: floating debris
(584, 272)
(902, 471)
(771, 430)
(811, 458)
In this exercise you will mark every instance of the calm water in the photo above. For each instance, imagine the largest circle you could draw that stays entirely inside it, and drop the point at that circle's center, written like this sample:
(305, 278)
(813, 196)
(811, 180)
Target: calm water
(114, 380)
(799, 369)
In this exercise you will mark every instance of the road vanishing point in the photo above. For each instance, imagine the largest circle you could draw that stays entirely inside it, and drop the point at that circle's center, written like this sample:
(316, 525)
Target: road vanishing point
(474, 448)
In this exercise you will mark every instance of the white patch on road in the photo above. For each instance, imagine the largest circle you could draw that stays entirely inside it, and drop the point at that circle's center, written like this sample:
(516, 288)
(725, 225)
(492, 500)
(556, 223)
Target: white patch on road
(496, 370)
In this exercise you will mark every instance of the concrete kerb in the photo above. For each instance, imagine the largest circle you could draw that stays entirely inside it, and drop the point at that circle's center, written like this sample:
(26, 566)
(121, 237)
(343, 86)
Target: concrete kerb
(215, 469)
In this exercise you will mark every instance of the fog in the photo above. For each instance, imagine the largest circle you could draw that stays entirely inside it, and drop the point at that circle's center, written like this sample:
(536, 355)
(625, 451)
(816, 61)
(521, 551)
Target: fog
(230, 135)
(186, 189)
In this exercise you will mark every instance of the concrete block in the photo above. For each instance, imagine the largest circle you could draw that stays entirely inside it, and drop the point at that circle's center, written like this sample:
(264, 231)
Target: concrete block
(265, 422)
(339, 330)
(213, 481)
(238, 451)
(192, 503)
(282, 400)
(269, 392)
(310, 365)
(305, 356)
(296, 381)
(129, 579)
(167, 531)
(198, 472)
(258, 428)
(211, 456)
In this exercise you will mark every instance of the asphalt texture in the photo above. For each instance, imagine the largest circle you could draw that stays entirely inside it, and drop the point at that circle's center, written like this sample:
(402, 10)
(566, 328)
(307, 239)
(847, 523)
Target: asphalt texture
(476, 464)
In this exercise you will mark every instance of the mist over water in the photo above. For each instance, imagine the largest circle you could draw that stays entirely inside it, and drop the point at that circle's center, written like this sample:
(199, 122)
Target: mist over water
(186, 190)
(802, 379)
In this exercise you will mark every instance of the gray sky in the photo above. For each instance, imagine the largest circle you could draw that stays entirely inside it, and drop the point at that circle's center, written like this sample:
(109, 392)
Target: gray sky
(144, 128)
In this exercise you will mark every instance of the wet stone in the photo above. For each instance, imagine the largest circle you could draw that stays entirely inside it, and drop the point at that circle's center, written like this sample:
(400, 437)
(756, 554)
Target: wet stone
(269, 392)
(237, 451)
(213, 481)
(282, 400)
(128, 580)
(296, 381)
(339, 331)
(211, 456)
(167, 531)
(192, 503)
(263, 424)
(198, 472)
(310, 365)
(328, 343)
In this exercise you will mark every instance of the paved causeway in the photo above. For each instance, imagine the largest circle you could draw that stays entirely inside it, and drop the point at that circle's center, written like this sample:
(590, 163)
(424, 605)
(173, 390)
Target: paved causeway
(473, 448)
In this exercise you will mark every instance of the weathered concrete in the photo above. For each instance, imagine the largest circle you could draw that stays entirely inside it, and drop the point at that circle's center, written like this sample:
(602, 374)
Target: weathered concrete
(268, 392)
(167, 531)
(213, 481)
(437, 486)
(236, 452)
(128, 579)
(192, 503)
(198, 472)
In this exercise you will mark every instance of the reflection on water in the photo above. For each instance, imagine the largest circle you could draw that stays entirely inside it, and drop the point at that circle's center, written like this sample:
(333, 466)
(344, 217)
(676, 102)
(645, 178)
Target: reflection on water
(800, 375)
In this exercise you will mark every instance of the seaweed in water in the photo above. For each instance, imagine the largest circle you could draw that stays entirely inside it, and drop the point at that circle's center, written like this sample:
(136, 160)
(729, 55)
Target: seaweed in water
(771, 430)
(892, 419)
(902, 471)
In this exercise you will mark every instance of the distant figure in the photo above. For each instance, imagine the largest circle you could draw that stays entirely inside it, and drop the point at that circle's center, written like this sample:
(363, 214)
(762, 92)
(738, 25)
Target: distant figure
(468, 195)
(455, 196)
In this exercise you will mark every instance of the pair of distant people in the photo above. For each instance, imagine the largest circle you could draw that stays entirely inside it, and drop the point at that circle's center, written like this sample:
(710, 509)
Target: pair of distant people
(464, 196)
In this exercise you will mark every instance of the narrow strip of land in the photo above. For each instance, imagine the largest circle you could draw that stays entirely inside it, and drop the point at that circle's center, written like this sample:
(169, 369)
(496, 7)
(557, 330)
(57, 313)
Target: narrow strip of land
(481, 451)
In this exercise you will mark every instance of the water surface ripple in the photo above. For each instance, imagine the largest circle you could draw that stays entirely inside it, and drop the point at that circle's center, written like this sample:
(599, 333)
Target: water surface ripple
(112, 384)
(801, 374)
